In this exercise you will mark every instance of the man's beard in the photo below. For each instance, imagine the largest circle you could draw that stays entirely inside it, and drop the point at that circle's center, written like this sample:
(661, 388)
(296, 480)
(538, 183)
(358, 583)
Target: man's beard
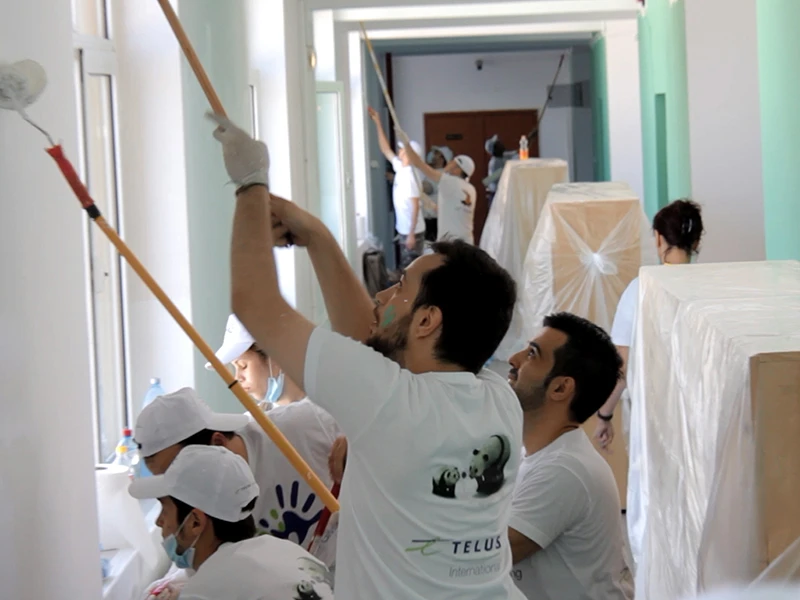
(393, 340)
(533, 398)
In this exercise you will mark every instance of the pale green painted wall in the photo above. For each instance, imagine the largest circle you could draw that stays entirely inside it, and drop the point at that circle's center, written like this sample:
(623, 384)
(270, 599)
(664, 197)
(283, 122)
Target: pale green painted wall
(217, 31)
(662, 71)
(779, 89)
(599, 87)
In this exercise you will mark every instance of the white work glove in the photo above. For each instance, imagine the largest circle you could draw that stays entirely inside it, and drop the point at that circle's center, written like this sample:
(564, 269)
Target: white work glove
(246, 159)
(168, 588)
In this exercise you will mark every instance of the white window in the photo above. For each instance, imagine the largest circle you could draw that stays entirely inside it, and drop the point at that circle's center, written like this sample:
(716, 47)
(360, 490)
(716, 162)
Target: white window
(95, 74)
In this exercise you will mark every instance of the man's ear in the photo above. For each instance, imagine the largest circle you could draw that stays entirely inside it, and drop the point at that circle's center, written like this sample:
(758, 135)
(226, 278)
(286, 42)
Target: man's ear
(218, 439)
(195, 523)
(428, 320)
(561, 389)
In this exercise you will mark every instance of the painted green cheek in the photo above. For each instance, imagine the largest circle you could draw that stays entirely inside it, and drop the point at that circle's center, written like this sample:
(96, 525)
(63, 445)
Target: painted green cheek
(388, 316)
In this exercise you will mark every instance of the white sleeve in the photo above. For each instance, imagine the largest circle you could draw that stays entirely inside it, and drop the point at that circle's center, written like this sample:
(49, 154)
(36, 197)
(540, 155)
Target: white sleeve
(350, 380)
(547, 501)
(397, 164)
(622, 328)
(413, 186)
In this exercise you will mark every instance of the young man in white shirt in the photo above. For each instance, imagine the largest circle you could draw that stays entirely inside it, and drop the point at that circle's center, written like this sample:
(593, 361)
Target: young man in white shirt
(207, 497)
(287, 506)
(434, 440)
(565, 527)
(406, 194)
(456, 196)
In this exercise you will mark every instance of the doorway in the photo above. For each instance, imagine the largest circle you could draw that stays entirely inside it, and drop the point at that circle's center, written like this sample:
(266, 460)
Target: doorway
(466, 133)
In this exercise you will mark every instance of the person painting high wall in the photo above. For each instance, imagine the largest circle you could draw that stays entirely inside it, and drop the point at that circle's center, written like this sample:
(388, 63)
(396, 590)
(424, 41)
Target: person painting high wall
(406, 194)
(434, 439)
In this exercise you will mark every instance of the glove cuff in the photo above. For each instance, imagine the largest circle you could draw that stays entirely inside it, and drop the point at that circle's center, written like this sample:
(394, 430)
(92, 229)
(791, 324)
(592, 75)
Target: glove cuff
(256, 178)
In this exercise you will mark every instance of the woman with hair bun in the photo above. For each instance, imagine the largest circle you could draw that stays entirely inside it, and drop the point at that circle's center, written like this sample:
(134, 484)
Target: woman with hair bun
(678, 228)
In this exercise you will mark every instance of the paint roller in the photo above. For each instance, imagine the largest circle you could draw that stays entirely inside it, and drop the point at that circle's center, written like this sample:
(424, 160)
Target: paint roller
(21, 84)
(390, 106)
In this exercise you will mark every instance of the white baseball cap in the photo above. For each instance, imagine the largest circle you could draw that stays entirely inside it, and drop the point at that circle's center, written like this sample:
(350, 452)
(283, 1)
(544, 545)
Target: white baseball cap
(209, 478)
(171, 418)
(444, 151)
(466, 164)
(236, 342)
(414, 145)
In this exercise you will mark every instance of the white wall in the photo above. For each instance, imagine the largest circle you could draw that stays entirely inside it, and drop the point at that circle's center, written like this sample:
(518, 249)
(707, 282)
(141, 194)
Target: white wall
(511, 80)
(725, 127)
(48, 525)
(154, 201)
(624, 109)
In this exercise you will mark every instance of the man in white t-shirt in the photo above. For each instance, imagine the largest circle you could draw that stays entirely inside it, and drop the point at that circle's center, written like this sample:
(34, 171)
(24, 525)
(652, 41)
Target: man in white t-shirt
(406, 194)
(287, 506)
(456, 196)
(434, 440)
(207, 495)
(565, 527)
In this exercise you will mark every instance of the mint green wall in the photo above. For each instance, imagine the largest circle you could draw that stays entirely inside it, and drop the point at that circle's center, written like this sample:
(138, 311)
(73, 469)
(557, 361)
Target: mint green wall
(599, 87)
(218, 33)
(662, 75)
(779, 89)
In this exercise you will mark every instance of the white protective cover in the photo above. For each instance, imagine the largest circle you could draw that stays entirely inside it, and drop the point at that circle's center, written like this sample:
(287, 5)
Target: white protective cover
(589, 244)
(521, 195)
(693, 513)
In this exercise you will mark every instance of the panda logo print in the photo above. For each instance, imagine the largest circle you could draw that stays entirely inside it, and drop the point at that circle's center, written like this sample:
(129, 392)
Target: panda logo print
(486, 469)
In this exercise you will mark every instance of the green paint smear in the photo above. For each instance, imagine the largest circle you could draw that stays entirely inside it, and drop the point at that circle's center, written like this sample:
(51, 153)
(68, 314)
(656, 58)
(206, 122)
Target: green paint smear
(388, 316)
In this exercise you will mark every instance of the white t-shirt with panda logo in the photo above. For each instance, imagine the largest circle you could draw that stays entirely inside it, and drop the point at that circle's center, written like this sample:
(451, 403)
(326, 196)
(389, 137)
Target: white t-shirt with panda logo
(287, 507)
(261, 568)
(456, 201)
(432, 460)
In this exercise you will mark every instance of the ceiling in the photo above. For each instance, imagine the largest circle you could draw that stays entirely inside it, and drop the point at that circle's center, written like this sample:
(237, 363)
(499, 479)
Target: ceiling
(467, 45)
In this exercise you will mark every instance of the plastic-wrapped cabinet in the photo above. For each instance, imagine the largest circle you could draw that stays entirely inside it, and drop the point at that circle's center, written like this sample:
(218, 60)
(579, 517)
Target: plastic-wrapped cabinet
(521, 195)
(714, 374)
(589, 243)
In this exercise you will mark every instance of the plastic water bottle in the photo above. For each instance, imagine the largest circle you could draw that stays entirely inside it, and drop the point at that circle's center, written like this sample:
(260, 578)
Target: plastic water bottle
(154, 391)
(523, 148)
(127, 453)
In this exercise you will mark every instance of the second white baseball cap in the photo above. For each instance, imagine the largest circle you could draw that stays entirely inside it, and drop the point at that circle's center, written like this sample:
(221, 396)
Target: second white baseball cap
(466, 164)
(209, 478)
(172, 418)
(236, 342)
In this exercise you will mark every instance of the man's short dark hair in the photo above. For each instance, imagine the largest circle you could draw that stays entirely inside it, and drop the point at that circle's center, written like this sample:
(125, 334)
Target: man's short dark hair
(476, 297)
(224, 531)
(203, 438)
(590, 358)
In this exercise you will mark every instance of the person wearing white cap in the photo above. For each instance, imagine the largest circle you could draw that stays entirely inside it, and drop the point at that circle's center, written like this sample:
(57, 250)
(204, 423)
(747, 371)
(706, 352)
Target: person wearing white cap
(438, 157)
(456, 196)
(287, 506)
(207, 498)
(259, 374)
(406, 194)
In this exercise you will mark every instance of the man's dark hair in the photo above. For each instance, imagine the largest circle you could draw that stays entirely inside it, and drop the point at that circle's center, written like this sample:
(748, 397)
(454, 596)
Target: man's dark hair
(203, 438)
(590, 358)
(224, 531)
(476, 297)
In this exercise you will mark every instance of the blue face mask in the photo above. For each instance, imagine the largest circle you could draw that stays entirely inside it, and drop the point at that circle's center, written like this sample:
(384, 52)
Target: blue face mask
(274, 387)
(170, 544)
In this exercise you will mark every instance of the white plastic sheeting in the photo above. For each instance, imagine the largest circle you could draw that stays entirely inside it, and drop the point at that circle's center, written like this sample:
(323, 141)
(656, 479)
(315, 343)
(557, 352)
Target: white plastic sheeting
(520, 197)
(695, 508)
(589, 244)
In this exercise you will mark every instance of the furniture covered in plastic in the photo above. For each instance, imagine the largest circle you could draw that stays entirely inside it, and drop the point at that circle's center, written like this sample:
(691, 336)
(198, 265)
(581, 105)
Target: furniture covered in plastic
(714, 374)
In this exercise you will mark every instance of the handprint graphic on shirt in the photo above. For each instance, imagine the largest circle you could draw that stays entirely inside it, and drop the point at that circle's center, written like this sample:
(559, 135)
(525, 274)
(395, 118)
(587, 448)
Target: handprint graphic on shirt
(292, 522)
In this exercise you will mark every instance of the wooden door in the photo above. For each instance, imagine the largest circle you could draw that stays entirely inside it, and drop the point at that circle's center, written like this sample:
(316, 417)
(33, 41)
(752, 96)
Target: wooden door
(466, 133)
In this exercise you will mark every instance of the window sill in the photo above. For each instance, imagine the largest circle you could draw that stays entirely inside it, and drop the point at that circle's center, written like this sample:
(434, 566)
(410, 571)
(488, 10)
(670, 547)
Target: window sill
(129, 574)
